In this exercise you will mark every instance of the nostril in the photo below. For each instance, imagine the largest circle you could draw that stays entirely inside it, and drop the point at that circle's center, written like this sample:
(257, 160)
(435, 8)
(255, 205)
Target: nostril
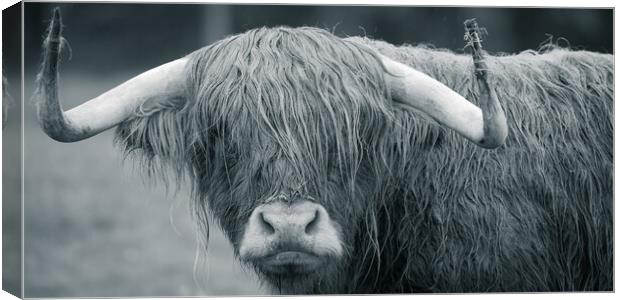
(265, 225)
(312, 227)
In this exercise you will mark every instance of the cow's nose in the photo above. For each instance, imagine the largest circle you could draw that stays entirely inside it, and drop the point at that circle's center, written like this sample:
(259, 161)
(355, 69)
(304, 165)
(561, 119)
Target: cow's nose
(295, 220)
(281, 227)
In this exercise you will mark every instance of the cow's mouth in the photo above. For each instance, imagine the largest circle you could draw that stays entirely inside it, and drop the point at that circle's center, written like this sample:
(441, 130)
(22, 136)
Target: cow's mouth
(289, 263)
(290, 241)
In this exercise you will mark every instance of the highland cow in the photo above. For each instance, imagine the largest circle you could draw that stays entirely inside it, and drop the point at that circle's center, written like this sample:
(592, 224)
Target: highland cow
(337, 166)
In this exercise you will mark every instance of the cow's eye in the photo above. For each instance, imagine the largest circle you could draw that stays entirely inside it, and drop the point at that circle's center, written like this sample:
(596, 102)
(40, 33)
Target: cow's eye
(232, 158)
(231, 155)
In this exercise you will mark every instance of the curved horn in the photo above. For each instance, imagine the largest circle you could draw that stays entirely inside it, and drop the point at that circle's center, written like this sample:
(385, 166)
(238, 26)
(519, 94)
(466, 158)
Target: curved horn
(486, 127)
(106, 110)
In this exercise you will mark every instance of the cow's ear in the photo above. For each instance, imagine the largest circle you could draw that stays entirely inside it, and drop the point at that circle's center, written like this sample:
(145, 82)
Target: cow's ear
(156, 133)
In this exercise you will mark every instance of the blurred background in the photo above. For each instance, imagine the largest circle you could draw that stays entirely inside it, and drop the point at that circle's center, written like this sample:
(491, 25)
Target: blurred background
(94, 228)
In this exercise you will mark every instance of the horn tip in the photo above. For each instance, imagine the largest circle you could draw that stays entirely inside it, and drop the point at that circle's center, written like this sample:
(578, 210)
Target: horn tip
(470, 23)
(55, 25)
(56, 12)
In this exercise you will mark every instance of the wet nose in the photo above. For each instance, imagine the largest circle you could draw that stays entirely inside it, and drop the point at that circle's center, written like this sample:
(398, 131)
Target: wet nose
(282, 226)
(283, 219)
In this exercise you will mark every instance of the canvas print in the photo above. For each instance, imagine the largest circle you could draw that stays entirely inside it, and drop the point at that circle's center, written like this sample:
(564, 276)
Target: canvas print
(215, 150)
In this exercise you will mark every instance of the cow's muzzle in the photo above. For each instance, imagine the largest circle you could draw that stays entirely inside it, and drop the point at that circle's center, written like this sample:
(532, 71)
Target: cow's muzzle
(290, 238)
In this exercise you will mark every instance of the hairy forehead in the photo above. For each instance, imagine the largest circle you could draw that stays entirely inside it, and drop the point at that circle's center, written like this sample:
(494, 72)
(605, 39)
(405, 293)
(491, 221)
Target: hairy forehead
(286, 69)
(299, 89)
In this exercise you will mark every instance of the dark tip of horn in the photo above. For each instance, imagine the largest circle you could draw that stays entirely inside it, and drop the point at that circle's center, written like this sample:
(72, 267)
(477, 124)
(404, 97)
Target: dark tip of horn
(495, 126)
(51, 46)
(55, 26)
(49, 110)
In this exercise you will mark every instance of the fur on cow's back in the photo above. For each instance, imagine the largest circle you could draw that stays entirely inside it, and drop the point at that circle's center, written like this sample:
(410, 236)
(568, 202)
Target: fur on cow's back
(534, 214)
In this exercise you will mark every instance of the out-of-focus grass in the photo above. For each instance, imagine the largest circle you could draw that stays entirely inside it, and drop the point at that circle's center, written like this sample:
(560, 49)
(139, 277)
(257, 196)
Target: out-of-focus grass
(93, 228)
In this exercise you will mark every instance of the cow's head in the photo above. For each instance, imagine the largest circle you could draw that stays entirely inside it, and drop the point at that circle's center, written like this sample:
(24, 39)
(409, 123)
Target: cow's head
(283, 132)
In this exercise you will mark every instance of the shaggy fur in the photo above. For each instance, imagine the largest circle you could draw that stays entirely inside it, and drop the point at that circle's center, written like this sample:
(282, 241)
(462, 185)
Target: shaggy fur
(303, 112)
